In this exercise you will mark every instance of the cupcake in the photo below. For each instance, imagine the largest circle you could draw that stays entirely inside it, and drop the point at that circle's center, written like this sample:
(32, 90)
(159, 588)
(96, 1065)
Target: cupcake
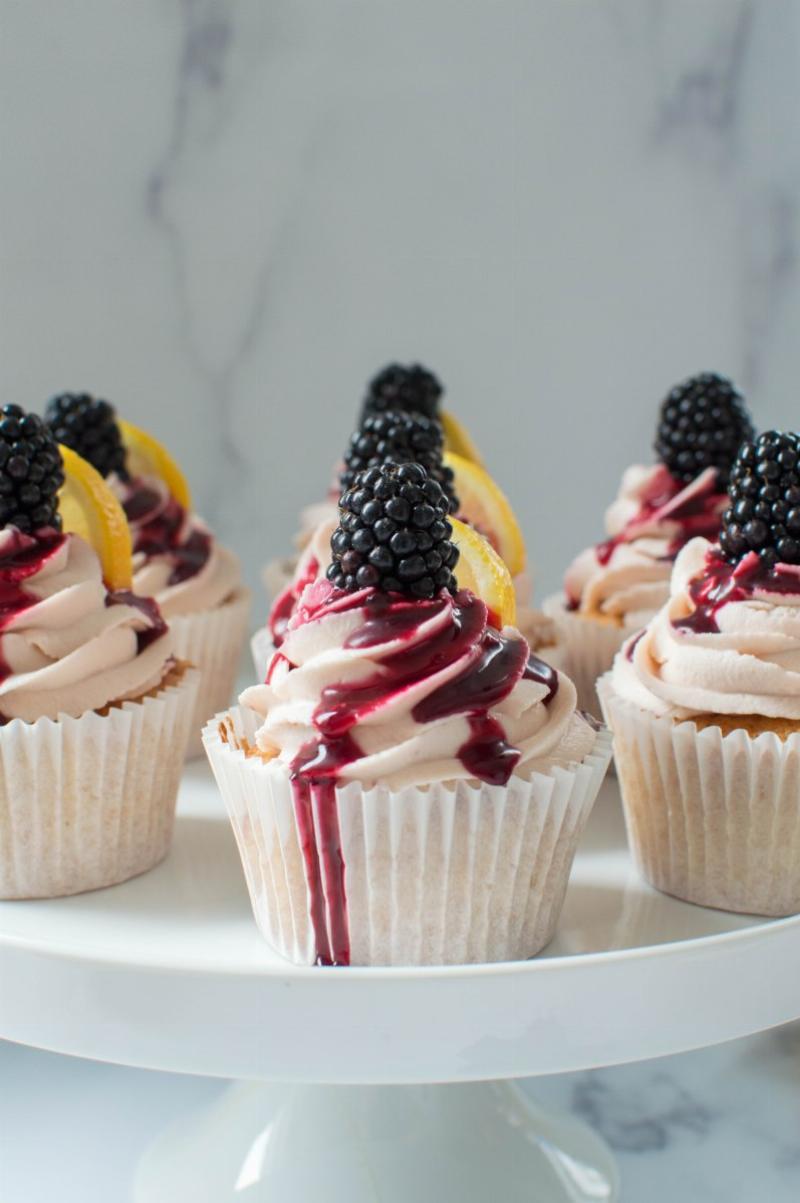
(614, 588)
(397, 390)
(705, 704)
(176, 558)
(400, 421)
(410, 783)
(95, 707)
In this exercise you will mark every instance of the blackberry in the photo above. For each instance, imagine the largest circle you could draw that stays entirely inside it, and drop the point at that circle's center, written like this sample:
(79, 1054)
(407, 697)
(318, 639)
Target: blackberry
(88, 426)
(764, 510)
(393, 534)
(31, 472)
(702, 424)
(412, 389)
(402, 438)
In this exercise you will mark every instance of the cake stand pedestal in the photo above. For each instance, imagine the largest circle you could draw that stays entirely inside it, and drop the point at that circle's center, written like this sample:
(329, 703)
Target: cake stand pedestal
(389, 1085)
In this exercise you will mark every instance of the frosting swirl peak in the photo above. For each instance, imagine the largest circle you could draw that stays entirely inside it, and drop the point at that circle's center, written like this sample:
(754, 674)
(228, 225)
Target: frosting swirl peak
(378, 687)
(68, 645)
(727, 641)
(626, 577)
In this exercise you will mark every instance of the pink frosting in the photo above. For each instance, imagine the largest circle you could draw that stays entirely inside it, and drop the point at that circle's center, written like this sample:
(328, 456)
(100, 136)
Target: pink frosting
(68, 645)
(387, 689)
(627, 576)
(726, 642)
(176, 558)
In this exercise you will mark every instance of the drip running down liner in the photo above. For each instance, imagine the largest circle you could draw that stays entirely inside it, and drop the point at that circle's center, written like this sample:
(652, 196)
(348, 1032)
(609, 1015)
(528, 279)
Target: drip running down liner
(89, 802)
(713, 819)
(450, 874)
(212, 640)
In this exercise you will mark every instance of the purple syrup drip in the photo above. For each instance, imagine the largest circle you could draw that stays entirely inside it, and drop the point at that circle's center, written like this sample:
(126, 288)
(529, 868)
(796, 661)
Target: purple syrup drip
(698, 515)
(722, 583)
(24, 558)
(314, 790)
(286, 602)
(146, 606)
(494, 664)
(159, 528)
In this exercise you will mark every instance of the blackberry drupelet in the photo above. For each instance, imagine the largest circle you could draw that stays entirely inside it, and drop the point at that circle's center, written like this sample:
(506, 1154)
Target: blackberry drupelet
(402, 438)
(393, 534)
(88, 426)
(764, 510)
(412, 389)
(703, 423)
(31, 472)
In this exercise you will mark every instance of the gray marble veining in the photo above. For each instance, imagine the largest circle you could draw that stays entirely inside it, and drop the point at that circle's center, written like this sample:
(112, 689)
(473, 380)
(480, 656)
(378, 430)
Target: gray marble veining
(225, 216)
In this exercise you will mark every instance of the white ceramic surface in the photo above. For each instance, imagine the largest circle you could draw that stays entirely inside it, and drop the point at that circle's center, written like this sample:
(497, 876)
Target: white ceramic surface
(169, 971)
(714, 1126)
(432, 1144)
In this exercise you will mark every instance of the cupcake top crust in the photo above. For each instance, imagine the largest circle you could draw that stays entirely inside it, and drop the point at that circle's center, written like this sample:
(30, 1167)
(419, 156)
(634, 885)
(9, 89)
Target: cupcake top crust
(176, 558)
(728, 639)
(661, 507)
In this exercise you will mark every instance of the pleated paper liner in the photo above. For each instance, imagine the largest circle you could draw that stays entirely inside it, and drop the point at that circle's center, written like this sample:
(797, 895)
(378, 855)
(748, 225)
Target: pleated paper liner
(712, 817)
(89, 802)
(213, 641)
(590, 646)
(454, 873)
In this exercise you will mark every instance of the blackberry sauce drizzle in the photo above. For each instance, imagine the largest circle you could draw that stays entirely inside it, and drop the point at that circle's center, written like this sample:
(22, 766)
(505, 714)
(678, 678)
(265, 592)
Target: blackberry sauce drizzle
(723, 582)
(159, 529)
(24, 558)
(493, 664)
(698, 514)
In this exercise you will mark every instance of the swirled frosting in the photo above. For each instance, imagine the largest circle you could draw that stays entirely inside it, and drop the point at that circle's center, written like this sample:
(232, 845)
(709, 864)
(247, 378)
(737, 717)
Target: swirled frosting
(626, 578)
(404, 692)
(176, 559)
(68, 645)
(726, 642)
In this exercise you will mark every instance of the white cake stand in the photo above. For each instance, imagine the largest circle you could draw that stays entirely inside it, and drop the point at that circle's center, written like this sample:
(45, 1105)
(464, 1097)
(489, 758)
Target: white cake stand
(169, 972)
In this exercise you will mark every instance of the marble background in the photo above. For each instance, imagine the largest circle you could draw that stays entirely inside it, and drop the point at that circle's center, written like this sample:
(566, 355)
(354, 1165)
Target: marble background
(716, 1126)
(225, 215)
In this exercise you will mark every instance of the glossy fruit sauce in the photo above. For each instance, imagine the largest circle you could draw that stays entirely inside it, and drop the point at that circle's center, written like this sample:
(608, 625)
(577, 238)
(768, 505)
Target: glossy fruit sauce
(496, 663)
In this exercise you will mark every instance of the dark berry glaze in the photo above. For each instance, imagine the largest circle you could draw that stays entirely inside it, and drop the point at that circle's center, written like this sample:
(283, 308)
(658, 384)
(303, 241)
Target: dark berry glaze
(149, 609)
(161, 527)
(471, 668)
(23, 556)
(723, 582)
(694, 509)
(285, 603)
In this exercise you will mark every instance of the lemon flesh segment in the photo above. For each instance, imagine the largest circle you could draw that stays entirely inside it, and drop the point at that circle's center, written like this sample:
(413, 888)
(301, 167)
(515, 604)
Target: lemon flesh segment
(89, 508)
(481, 570)
(147, 457)
(485, 506)
(458, 439)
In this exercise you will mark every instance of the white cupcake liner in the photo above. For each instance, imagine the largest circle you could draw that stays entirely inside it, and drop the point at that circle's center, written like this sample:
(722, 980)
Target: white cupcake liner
(713, 819)
(89, 802)
(212, 640)
(588, 648)
(261, 647)
(452, 874)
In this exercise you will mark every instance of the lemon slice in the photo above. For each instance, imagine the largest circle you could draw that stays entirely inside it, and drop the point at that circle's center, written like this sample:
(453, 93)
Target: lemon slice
(458, 439)
(481, 570)
(88, 508)
(486, 507)
(147, 457)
